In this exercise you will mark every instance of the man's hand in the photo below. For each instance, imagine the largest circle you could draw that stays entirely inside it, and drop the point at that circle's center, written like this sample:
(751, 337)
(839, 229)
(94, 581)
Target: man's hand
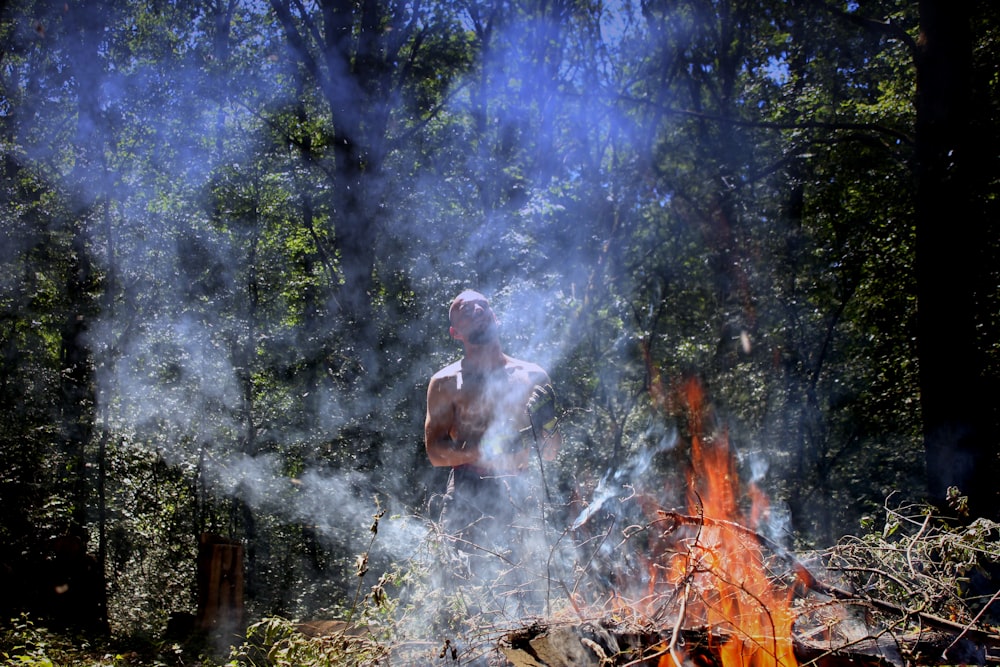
(541, 409)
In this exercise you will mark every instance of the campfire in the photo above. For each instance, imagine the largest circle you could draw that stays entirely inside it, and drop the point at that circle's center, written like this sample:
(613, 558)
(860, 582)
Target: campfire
(702, 585)
(717, 592)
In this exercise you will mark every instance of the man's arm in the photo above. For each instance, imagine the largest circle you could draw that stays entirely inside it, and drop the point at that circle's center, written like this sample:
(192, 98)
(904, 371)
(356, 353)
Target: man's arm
(442, 450)
(465, 447)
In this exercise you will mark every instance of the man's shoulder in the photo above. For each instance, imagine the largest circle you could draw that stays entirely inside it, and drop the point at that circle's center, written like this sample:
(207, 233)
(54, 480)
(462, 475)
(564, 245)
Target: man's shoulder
(449, 371)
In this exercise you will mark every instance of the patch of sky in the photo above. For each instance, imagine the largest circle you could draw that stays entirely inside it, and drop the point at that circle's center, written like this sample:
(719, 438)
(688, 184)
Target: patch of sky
(616, 18)
(777, 70)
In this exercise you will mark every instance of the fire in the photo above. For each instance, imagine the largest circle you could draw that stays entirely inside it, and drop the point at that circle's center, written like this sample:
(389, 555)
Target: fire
(717, 568)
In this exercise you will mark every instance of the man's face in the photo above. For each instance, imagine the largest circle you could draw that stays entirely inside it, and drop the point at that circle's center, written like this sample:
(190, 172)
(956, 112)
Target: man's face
(472, 319)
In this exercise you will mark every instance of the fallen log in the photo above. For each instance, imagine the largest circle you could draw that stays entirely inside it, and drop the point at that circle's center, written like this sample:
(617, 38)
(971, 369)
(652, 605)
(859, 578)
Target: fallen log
(330, 628)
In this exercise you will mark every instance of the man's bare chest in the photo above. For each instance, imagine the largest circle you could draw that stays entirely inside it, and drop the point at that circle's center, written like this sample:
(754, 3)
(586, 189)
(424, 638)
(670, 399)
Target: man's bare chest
(499, 397)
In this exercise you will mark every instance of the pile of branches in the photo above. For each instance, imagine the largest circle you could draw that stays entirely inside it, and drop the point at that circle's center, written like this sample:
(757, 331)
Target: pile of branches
(919, 589)
(925, 575)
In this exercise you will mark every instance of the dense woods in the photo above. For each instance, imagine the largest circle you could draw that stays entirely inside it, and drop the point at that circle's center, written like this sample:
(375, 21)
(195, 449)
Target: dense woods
(231, 230)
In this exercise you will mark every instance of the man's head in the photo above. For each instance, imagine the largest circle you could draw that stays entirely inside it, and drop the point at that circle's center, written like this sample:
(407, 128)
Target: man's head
(472, 320)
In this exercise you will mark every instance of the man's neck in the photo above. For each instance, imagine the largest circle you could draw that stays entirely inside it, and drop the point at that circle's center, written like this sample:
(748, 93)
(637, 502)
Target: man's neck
(483, 358)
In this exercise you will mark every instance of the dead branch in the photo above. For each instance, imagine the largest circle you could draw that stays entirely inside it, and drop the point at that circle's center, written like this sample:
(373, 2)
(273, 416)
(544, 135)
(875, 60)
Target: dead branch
(804, 577)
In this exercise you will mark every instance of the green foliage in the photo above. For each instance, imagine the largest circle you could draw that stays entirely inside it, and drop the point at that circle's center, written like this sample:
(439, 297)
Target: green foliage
(276, 641)
(24, 643)
(230, 234)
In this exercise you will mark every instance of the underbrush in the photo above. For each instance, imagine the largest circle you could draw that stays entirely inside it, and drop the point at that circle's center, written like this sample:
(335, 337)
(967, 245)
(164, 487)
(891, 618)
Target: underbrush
(25, 642)
(916, 564)
(277, 641)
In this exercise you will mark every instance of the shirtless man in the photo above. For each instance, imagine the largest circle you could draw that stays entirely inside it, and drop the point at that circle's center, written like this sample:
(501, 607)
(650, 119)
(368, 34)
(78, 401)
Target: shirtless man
(486, 415)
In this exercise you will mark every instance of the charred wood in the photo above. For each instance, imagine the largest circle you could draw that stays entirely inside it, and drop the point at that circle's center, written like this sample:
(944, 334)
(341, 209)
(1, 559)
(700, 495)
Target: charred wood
(613, 644)
(604, 643)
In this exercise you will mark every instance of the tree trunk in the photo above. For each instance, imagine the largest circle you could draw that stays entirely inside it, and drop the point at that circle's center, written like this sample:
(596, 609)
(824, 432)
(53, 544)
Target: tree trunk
(220, 585)
(88, 199)
(959, 421)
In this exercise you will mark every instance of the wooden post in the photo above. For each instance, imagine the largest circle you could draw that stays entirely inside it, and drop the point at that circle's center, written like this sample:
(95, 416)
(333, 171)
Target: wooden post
(220, 584)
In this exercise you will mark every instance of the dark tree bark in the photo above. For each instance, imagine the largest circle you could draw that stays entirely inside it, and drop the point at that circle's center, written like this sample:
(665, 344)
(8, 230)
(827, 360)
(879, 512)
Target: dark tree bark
(956, 396)
(88, 200)
(352, 73)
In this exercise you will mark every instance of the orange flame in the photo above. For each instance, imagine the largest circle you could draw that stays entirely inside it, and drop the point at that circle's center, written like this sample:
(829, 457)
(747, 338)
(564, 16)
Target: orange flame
(722, 570)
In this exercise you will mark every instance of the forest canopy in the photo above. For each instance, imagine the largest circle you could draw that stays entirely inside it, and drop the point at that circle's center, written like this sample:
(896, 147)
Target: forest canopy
(232, 228)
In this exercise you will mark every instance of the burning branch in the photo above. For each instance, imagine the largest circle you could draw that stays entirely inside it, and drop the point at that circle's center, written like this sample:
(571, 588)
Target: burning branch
(805, 578)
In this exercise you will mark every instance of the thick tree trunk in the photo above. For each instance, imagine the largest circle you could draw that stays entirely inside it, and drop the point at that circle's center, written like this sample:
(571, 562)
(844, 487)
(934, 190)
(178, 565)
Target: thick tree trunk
(958, 414)
(220, 585)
